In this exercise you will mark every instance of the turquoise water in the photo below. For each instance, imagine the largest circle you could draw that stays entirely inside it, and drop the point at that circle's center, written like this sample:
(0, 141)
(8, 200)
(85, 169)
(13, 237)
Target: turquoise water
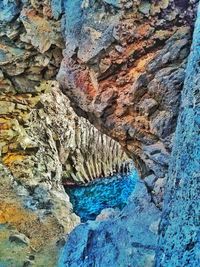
(111, 192)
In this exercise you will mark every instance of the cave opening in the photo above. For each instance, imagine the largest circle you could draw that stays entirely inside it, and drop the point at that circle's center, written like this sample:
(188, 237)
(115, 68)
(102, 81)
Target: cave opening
(103, 197)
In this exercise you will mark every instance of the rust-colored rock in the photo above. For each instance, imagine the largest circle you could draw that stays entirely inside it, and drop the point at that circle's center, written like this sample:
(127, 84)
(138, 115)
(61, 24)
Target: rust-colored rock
(127, 80)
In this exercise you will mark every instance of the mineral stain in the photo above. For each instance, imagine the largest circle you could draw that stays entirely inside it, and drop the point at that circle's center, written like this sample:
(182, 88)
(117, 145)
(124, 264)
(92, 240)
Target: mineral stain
(111, 192)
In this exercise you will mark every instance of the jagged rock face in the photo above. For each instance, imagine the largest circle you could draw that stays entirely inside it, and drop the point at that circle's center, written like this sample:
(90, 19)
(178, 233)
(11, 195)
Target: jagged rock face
(42, 142)
(30, 55)
(127, 239)
(52, 143)
(179, 229)
(123, 69)
(26, 235)
(41, 139)
(30, 46)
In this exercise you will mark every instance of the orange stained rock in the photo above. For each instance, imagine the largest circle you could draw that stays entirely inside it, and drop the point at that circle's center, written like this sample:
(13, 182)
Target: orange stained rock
(83, 81)
(141, 64)
(39, 232)
(13, 214)
(133, 47)
(41, 24)
(144, 30)
(3, 47)
(4, 124)
(12, 158)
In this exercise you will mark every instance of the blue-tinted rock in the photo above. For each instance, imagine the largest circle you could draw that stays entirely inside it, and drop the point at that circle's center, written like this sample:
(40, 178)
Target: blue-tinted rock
(8, 11)
(129, 239)
(57, 8)
(179, 243)
(86, 30)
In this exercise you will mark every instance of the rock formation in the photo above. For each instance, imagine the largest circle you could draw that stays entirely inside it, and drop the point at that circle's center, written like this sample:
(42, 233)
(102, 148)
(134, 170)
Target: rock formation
(49, 146)
(179, 229)
(42, 141)
(140, 93)
(123, 69)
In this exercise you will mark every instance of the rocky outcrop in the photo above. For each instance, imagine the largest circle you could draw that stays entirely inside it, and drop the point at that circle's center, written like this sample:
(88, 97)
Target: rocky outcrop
(27, 234)
(123, 69)
(30, 55)
(179, 229)
(125, 239)
(137, 94)
(44, 145)
(30, 47)
(42, 141)
(32, 202)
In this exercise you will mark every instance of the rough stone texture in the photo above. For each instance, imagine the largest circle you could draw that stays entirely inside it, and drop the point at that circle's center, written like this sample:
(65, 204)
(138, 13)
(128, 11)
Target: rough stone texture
(39, 231)
(180, 226)
(123, 69)
(126, 239)
(30, 52)
(128, 81)
(51, 142)
(42, 141)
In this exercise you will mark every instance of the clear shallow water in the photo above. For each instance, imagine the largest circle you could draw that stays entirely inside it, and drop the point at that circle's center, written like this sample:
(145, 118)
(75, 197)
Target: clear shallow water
(112, 192)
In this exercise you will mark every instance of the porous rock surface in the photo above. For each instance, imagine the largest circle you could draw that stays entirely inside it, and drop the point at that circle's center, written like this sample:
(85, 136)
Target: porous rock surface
(179, 243)
(42, 141)
(123, 69)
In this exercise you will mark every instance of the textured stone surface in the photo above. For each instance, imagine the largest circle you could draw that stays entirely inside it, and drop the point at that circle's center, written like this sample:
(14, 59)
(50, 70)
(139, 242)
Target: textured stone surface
(179, 230)
(133, 87)
(123, 69)
(39, 231)
(42, 141)
(126, 239)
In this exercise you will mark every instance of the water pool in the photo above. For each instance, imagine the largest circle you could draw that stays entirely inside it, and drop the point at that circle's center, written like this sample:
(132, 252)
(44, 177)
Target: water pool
(111, 192)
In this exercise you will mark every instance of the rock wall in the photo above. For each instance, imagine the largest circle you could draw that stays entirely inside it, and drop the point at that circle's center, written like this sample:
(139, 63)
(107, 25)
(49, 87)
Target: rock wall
(42, 141)
(34, 209)
(30, 55)
(29, 236)
(46, 148)
(180, 225)
(128, 239)
(123, 69)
